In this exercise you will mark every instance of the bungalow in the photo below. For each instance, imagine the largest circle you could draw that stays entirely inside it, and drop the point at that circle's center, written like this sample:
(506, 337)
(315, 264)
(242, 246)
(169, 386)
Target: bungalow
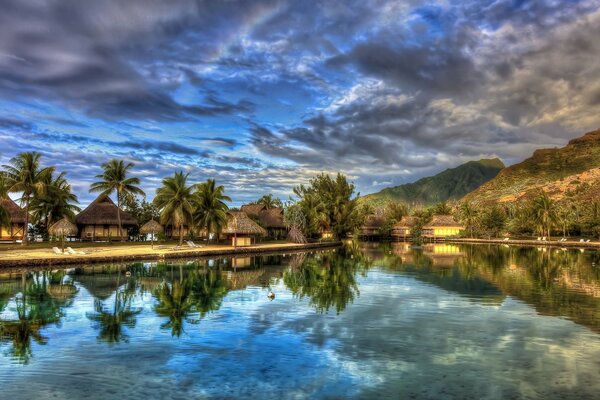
(241, 230)
(402, 231)
(371, 227)
(441, 227)
(269, 218)
(99, 221)
(16, 229)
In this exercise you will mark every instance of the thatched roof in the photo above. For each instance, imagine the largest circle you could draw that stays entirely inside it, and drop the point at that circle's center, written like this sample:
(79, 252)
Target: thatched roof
(103, 211)
(405, 222)
(17, 214)
(272, 218)
(151, 227)
(268, 217)
(252, 209)
(374, 222)
(239, 223)
(443, 221)
(64, 227)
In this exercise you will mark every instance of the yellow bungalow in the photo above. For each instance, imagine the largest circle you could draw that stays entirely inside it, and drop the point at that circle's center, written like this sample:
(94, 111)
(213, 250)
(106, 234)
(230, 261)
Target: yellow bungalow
(241, 230)
(16, 230)
(402, 231)
(441, 227)
(99, 221)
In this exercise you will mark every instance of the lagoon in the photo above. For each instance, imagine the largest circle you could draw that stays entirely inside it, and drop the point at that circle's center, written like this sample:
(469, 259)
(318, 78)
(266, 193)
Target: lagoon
(364, 321)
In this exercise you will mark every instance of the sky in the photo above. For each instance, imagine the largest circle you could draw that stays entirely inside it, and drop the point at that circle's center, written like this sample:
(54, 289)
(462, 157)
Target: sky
(263, 95)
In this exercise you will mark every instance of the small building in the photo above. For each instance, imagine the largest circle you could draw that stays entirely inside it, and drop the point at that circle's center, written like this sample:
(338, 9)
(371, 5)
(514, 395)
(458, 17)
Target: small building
(173, 232)
(16, 230)
(99, 221)
(241, 229)
(372, 227)
(402, 231)
(269, 218)
(441, 227)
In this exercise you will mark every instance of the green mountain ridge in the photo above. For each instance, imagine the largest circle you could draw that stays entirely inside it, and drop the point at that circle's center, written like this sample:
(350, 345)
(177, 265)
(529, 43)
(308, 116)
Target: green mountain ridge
(450, 184)
(570, 173)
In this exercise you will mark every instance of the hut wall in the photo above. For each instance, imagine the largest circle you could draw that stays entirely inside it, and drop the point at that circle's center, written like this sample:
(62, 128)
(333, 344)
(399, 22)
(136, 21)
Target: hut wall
(242, 241)
(13, 232)
(101, 232)
(173, 233)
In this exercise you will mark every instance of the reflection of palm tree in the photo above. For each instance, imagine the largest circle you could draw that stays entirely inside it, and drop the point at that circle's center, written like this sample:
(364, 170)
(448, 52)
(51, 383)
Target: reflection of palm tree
(208, 288)
(175, 303)
(111, 322)
(35, 308)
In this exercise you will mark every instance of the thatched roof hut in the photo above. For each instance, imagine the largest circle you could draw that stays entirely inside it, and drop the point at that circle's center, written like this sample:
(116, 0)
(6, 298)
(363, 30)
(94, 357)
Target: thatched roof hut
(100, 220)
(151, 227)
(63, 227)
(103, 211)
(403, 229)
(252, 209)
(372, 225)
(442, 226)
(270, 218)
(17, 214)
(239, 223)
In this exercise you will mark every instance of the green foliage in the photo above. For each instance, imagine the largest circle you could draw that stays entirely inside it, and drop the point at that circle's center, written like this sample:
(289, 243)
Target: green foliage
(210, 210)
(269, 201)
(450, 184)
(175, 200)
(328, 203)
(492, 221)
(56, 202)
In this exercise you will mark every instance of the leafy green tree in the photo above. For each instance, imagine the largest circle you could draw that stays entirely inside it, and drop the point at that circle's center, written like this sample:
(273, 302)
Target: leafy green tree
(115, 178)
(335, 201)
(210, 210)
(592, 219)
(442, 208)
(26, 176)
(175, 200)
(468, 215)
(4, 215)
(544, 213)
(493, 221)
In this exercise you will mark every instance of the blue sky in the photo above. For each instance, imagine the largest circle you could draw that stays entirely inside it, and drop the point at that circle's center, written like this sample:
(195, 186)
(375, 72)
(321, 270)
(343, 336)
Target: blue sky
(262, 95)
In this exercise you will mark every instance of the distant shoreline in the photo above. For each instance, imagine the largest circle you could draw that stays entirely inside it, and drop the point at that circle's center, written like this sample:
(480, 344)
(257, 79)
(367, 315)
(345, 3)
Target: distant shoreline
(530, 243)
(52, 260)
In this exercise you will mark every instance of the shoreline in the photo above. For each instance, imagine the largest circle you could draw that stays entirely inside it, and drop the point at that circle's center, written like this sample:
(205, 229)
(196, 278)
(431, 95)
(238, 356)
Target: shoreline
(530, 243)
(65, 260)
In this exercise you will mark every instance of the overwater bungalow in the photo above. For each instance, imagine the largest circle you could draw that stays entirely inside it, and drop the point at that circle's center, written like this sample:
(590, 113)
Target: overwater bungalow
(402, 231)
(269, 218)
(16, 230)
(241, 229)
(441, 227)
(99, 221)
(372, 227)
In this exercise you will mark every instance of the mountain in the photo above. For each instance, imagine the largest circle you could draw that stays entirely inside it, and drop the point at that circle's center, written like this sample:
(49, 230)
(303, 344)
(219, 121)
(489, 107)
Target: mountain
(568, 173)
(450, 184)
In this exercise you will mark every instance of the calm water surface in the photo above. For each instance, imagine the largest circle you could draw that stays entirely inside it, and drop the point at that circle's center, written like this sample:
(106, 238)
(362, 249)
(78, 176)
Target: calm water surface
(367, 321)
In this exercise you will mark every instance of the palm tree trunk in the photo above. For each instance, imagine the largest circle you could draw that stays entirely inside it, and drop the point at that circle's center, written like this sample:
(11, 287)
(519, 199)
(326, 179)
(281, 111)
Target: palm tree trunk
(24, 242)
(119, 217)
(180, 235)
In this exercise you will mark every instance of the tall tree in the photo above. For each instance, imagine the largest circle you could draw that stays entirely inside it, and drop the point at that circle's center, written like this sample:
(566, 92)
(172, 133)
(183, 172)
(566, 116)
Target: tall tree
(210, 210)
(4, 215)
(269, 201)
(115, 178)
(543, 211)
(175, 200)
(468, 215)
(56, 202)
(26, 176)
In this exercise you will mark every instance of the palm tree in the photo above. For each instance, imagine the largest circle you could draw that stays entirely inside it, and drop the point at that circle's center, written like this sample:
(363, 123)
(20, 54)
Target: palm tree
(543, 211)
(25, 176)
(55, 203)
(210, 209)
(114, 179)
(175, 200)
(468, 214)
(269, 201)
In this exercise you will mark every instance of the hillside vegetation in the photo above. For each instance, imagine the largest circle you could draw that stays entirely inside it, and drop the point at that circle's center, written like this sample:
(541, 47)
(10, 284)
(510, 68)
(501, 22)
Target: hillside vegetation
(570, 173)
(450, 184)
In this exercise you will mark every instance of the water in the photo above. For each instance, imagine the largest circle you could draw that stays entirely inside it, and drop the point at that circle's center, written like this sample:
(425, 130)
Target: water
(368, 321)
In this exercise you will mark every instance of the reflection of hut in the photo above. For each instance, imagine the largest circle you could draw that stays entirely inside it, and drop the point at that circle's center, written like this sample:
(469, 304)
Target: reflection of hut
(241, 262)
(99, 221)
(372, 226)
(241, 230)
(443, 255)
(17, 221)
(269, 218)
(441, 227)
(403, 229)
(242, 279)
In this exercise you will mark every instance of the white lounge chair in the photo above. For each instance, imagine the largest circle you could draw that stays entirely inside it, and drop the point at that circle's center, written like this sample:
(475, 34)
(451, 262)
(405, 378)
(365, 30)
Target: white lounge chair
(581, 240)
(539, 239)
(587, 241)
(192, 244)
(506, 239)
(56, 250)
(71, 251)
